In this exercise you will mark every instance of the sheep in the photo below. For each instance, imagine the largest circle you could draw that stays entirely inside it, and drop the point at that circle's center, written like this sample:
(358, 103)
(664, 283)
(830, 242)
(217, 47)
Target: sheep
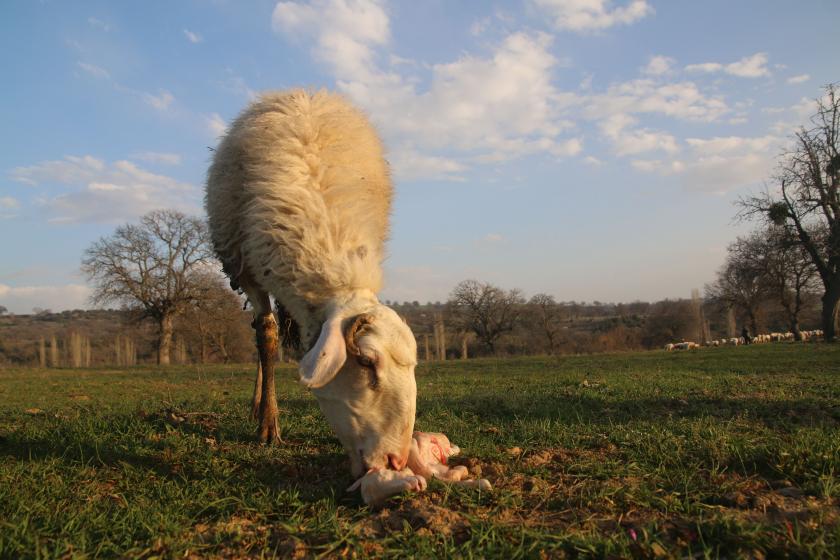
(669, 347)
(298, 198)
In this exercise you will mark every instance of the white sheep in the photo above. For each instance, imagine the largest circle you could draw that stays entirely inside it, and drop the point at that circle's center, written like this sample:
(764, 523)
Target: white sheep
(298, 199)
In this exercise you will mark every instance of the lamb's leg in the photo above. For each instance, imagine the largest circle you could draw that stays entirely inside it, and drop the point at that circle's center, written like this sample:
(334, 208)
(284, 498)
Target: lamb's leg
(482, 484)
(257, 398)
(455, 474)
(267, 339)
(378, 486)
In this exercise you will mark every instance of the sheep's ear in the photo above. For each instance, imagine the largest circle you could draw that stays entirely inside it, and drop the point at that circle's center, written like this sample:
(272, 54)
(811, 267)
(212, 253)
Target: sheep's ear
(321, 364)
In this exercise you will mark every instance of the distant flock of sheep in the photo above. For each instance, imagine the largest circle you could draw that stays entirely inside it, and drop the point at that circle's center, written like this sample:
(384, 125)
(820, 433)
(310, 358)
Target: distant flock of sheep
(737, 341)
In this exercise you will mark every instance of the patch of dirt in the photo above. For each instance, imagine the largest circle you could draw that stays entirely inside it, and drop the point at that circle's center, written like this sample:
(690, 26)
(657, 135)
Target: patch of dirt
(420, 516)
(238, 534)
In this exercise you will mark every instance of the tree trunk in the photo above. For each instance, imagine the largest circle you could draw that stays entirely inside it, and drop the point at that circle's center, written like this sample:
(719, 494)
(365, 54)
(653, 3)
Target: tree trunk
(165, 339)
(794, 328)
(753, 322)
(830, 309)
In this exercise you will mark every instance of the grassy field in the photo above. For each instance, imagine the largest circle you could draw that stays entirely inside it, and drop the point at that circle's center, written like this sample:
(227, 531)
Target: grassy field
(729, 452)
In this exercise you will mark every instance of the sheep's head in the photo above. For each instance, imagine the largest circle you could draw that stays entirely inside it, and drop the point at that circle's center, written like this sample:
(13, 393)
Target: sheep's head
(361, 370)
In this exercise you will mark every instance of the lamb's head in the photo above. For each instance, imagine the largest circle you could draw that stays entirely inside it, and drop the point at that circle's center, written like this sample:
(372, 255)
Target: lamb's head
(361, 370)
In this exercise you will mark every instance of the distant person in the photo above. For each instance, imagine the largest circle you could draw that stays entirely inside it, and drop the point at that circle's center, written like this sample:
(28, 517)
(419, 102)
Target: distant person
(745, 334)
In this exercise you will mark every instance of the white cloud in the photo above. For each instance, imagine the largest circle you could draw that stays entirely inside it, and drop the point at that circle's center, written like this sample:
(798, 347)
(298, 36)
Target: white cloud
(754, 66)
(592, 15)
(627, 140)
(93, 70)
(409, 164)
(592, 160)
(346, 31)
(567, 148)
(484, 108)
(158, 157)
(193, 37)
(732, 144)
(161, 101)
(493, 238)
(719, 164)
(798, 79)
(658, 65)
(708, 67)
(96, 191)
(215, 124)
(804, 108)
(22, 299)
(99, 24)
(681, 100)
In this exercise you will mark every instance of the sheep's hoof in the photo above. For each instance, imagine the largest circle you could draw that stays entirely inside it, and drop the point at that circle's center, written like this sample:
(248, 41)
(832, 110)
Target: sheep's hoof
(269, 434)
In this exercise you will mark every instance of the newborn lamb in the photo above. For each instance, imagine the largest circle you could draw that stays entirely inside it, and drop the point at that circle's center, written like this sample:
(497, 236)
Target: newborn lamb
(426, 460)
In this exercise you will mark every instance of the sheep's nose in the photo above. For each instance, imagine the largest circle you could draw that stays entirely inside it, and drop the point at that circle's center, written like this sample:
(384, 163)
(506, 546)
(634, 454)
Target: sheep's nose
(396, 462)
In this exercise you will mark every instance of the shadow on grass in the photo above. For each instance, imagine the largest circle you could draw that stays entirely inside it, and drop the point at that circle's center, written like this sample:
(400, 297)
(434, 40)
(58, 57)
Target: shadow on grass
(302, 468)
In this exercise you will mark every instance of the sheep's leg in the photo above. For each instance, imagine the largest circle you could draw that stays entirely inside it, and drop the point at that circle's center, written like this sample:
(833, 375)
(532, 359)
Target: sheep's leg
(257, 398)
(267, 340)
(264, 400)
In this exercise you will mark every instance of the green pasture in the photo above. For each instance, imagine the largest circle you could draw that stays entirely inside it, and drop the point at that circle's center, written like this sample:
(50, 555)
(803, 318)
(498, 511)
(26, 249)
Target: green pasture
(724, 452)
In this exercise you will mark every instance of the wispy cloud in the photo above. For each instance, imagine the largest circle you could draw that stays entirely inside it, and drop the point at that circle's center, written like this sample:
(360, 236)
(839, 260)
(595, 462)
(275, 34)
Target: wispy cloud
(161, 101)
(658, 65)
(158, 157)
(99, 24)
(754, 66)
(193, 37)
(93, 70)
(801, 78)
(215, 124)
(9, 203)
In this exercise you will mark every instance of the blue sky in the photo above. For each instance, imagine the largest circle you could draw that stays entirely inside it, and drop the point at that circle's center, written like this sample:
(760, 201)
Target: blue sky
(585, 148)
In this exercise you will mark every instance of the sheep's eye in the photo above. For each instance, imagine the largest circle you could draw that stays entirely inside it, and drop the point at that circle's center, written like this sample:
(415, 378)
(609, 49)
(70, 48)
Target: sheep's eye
(370, 367)
(364, 361)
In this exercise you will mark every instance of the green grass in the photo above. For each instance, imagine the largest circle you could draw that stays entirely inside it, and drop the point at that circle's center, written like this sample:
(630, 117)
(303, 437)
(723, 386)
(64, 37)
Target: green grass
(729, 452)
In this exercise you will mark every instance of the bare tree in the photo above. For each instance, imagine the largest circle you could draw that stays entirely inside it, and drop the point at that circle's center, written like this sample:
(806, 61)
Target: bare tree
(486, 310)
(808, 201)
(740, 282)
(547, 316)
(151, 265)
(790, 273)
(216, 325)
